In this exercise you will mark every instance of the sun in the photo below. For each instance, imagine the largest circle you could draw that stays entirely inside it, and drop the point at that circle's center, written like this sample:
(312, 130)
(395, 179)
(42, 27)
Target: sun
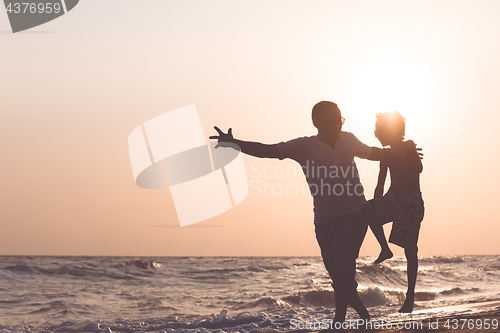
(387, 81)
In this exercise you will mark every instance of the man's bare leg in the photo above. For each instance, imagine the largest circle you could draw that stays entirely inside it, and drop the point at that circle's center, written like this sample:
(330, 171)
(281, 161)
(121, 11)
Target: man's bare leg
(358, 306)
(340, 305)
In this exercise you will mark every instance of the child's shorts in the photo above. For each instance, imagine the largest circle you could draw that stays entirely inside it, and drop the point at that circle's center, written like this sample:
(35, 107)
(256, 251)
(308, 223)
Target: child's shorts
(406, 211)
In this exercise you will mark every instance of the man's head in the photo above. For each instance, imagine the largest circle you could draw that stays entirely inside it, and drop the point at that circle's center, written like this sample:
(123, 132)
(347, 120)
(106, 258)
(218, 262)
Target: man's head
(326, 117)
(390, 127)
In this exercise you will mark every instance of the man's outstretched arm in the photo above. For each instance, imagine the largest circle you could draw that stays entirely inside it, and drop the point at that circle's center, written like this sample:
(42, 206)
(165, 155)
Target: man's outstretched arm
(256, 149)
(378, 154)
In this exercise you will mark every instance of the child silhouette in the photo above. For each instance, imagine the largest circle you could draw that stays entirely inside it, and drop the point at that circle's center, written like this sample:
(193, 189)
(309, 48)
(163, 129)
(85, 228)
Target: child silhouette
(402, 204)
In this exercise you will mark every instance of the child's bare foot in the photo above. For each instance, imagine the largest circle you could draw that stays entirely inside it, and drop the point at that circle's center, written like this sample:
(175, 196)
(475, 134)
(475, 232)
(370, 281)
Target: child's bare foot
(408, 304)
(384, 255)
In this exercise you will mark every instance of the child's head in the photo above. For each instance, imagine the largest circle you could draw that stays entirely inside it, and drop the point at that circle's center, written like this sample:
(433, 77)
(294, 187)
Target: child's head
(390, 127)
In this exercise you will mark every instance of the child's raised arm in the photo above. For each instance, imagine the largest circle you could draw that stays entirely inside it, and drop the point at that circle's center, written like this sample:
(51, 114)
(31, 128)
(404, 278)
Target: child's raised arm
(379, 190)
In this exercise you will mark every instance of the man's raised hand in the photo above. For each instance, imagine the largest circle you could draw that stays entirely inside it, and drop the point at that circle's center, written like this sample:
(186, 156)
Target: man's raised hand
(223, 139)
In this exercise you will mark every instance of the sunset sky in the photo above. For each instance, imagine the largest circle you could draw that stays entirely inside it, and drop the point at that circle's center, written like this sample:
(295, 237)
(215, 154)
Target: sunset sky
(72, 90)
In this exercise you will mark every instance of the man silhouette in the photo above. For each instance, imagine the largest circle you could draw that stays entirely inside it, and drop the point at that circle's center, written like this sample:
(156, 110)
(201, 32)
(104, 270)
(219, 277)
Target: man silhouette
(327, 160)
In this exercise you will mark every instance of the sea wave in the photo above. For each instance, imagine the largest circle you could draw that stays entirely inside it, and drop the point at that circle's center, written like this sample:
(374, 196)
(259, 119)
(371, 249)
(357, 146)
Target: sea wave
(376, 296)
(380, 275)
(22, 269)
(371, 296)
(244, 321)
(442, 260)
(131, 269)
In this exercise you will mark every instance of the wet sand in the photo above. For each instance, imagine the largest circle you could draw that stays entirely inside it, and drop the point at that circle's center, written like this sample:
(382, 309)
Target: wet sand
(435, 320)
(473, 322)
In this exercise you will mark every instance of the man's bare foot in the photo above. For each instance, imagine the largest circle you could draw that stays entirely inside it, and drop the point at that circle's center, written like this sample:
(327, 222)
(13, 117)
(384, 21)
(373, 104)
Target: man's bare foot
(384, 255)
(408, 304)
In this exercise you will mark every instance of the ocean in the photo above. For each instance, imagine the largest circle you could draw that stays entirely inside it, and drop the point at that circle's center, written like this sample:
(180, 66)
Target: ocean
(220, 294)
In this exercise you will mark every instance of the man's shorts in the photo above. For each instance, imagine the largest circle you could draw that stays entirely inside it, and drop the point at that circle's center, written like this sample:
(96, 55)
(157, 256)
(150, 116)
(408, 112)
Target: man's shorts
(406, 211)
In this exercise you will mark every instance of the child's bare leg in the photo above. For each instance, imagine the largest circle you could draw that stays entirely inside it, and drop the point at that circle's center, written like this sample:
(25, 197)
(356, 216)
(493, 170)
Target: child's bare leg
(378, 231)
(411, 272)
(385, 252)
